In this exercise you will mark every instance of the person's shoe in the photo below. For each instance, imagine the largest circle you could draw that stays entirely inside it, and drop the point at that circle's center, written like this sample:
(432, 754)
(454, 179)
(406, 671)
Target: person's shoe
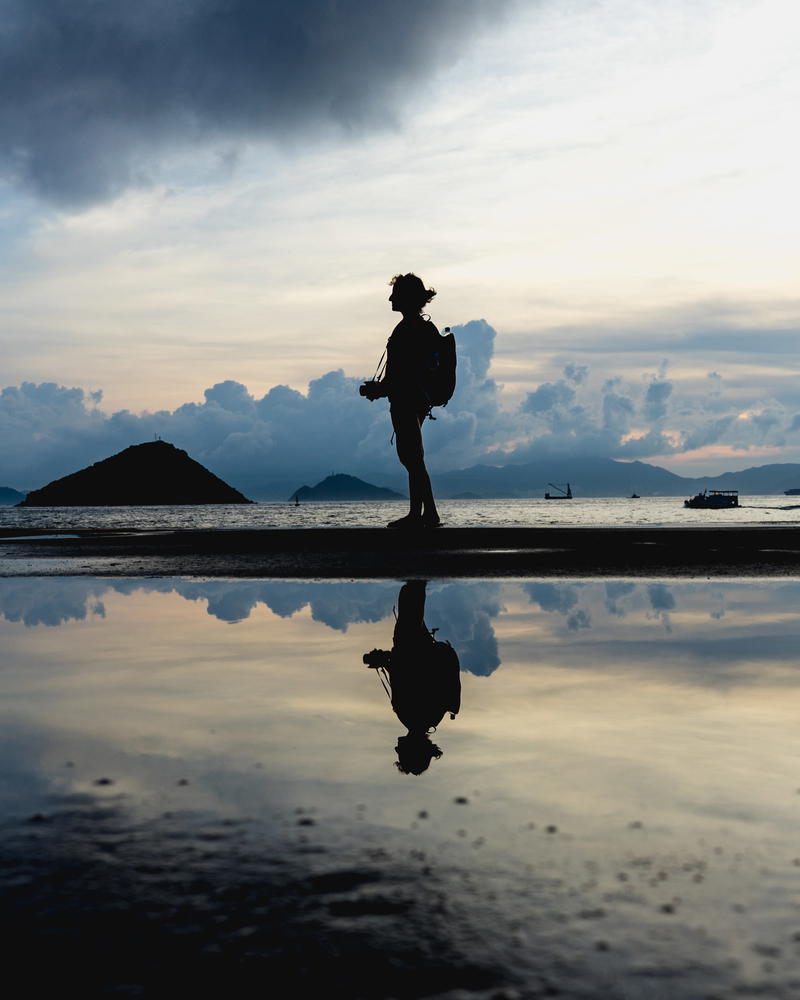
(429, 521)
(409, 521)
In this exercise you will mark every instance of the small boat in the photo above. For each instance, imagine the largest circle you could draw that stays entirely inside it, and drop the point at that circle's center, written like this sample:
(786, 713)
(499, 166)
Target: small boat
(634, 496)
(564, 494)
(714, 499)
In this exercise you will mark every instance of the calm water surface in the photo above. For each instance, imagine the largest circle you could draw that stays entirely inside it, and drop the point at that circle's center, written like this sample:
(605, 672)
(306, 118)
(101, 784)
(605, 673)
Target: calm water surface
(456, 513)
(199, 788)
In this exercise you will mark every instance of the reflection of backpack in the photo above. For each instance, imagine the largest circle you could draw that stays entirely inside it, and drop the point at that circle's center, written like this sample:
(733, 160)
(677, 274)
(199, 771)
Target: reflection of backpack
(447, 674)
(440, 378)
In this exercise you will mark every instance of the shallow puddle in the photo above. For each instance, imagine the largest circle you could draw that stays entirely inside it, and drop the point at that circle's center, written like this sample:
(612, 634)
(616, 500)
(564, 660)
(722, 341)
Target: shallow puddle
(200, 786)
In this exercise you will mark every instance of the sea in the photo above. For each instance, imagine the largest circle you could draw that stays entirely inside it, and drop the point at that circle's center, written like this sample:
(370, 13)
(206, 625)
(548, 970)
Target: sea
(597, 511)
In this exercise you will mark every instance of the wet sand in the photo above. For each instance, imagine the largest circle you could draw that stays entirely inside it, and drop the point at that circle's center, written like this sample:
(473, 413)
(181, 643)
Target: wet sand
(370, 553)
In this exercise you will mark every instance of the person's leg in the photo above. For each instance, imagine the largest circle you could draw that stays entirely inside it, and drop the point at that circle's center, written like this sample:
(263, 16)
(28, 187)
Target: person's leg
(408, 441)
(407, 424)
(430, 515)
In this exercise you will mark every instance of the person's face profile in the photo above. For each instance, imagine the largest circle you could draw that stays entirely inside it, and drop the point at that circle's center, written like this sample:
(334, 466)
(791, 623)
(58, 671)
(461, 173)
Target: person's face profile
(401, 301)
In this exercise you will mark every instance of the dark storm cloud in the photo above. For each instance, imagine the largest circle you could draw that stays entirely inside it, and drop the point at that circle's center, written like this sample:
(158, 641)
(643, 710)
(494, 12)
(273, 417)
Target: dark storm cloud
(94, 92)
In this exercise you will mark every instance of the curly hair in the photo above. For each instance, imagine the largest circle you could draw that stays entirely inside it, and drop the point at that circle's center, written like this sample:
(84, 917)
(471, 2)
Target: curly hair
(415, 753)
(412, 286)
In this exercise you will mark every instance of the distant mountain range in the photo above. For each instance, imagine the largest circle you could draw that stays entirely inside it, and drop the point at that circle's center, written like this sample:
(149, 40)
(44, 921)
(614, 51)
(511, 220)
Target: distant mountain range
(604, 477)
(9, 497)
(341, 487)
(587, 476)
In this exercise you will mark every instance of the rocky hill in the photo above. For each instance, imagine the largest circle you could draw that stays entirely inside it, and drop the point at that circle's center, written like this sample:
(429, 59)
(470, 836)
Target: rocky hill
(341, 487)
(152, 474)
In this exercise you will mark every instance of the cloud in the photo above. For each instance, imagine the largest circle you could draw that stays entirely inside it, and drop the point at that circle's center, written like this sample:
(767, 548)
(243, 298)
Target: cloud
(655, 400)
(547, 396)
(576, 373)
(272, 443)
(95, 94)
(268, 445)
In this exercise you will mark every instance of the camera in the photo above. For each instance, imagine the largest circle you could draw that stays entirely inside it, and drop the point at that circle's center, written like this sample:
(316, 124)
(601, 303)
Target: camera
(377, 658)
(372, 390)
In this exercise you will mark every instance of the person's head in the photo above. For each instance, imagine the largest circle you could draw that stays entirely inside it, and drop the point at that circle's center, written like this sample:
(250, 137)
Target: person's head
(415, 753)
(409, 294)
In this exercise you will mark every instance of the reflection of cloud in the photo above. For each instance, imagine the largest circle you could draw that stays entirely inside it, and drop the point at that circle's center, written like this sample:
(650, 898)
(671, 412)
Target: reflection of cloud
(54, 601)
(50, 601)
(578, 620)
(616, 590)
(561, 598)
(741, 627)
(463, 613)
(661, 598)
(558, 597)
(336, 605)
(662, 602)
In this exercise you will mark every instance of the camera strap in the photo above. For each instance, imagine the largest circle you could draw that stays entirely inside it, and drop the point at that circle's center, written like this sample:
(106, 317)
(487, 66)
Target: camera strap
(381, 369)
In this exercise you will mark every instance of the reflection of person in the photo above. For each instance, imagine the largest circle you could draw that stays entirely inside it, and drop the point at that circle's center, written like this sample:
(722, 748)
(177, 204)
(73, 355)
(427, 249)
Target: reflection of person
(423, 678)
(411, 345)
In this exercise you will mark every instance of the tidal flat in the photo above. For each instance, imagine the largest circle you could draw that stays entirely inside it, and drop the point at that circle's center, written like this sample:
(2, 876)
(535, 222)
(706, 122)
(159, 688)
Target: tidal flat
(199, 791)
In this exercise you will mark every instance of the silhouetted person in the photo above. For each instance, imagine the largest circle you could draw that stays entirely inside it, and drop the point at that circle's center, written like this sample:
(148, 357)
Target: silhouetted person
(423, 678)
(408, 352)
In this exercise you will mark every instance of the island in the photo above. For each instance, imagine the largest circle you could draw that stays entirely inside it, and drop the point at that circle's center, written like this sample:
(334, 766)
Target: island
(10, 497)
(155, 473)
(341, 487)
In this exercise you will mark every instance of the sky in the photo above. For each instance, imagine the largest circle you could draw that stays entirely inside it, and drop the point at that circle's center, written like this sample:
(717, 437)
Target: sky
(202, 203)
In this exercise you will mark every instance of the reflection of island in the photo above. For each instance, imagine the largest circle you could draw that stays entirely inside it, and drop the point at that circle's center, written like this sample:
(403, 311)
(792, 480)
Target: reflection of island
(421, 676)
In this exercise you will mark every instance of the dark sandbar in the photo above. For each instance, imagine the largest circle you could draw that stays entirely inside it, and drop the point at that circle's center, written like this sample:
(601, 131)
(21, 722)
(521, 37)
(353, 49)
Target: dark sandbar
(374, 553)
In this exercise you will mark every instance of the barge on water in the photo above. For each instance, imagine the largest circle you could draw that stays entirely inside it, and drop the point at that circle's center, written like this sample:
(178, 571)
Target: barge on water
(563, 494)
(714, 499)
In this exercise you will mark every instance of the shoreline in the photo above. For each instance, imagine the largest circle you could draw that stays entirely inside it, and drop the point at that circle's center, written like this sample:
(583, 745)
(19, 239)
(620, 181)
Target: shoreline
(378, 553)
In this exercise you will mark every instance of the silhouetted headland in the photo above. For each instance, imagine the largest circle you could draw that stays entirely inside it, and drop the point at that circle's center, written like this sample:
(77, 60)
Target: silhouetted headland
(341, 487)
(152, 474)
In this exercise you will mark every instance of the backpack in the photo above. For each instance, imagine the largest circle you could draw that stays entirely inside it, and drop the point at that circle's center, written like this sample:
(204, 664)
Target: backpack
(440, 378)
